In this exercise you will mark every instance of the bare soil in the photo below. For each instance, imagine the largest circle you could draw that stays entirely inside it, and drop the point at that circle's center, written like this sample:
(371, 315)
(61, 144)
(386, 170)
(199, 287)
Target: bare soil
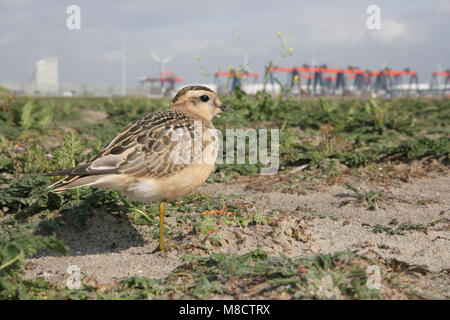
(332, 219)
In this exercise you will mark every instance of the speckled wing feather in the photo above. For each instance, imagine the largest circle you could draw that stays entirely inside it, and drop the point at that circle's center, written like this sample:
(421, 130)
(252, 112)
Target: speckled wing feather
(148, 145)
(141, 149)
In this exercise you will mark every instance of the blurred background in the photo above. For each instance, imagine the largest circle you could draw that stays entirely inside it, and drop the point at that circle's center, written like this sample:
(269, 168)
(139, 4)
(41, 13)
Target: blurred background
(151, 48)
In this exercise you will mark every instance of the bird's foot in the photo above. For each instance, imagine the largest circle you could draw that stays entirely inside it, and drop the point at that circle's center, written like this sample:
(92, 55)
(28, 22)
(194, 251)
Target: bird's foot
(164, 246)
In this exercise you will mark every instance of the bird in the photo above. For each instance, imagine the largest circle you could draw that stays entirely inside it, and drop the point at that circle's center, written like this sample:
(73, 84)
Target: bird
(156, 158)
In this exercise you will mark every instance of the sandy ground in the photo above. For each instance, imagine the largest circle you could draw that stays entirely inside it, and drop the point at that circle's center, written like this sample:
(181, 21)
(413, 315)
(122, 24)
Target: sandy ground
(111, 249)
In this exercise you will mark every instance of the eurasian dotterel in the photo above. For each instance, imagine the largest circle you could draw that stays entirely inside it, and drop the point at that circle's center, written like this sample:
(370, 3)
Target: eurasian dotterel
(158, 158)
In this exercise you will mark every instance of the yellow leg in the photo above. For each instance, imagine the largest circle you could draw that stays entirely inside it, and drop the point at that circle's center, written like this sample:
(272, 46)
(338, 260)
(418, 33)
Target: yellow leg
(162, 211)
(162, 246)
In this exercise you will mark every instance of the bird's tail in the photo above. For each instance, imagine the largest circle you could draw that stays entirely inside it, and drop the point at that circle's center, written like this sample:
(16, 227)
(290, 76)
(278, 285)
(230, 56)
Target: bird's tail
(72, 182)
(75, 177)
(78, 176)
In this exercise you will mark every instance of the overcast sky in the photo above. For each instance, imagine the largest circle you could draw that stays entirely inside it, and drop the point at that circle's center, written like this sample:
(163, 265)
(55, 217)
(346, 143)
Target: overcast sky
(413, 34)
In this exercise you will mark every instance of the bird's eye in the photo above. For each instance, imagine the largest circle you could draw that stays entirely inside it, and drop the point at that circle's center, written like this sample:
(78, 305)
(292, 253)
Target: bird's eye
(204, 98)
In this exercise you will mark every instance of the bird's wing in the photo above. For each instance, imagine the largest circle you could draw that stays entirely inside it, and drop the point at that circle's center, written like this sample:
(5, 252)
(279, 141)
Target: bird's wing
(142, 149)
(153, 148)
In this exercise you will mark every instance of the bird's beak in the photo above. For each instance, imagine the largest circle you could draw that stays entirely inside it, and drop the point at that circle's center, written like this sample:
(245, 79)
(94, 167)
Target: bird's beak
(226, 109)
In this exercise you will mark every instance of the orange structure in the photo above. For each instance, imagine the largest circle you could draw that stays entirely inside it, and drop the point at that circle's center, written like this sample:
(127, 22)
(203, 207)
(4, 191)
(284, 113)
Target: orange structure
(235, 77)
(334, 79)
(165, 77)
(434, 84)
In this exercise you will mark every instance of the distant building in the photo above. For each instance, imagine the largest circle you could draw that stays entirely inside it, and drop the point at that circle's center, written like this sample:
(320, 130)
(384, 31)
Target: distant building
(46, 75)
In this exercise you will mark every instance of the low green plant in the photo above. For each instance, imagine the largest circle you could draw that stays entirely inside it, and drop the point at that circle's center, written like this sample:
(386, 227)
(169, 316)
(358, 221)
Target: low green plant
(12, 259)
(205, 225)
(370, 199)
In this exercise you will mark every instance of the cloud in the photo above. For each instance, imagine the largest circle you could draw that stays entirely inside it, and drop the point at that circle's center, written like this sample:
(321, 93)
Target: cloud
(394, 33)
(196, 45)
(326, 29)
(9, 39)
(444, 6)
(109, 56)
(94, 32)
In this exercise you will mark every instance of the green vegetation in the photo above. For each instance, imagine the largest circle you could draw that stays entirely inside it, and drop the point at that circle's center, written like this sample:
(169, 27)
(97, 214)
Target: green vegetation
(3, 90)
(323, 276)
(370, 199)
(325, 137)
(12, 259)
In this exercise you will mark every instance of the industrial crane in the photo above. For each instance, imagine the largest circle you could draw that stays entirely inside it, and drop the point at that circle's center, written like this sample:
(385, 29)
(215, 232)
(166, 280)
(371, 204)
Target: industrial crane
(335, 80)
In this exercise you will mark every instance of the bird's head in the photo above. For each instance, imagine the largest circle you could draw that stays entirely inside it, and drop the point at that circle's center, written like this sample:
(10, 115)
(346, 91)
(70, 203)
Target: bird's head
(199, 100)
